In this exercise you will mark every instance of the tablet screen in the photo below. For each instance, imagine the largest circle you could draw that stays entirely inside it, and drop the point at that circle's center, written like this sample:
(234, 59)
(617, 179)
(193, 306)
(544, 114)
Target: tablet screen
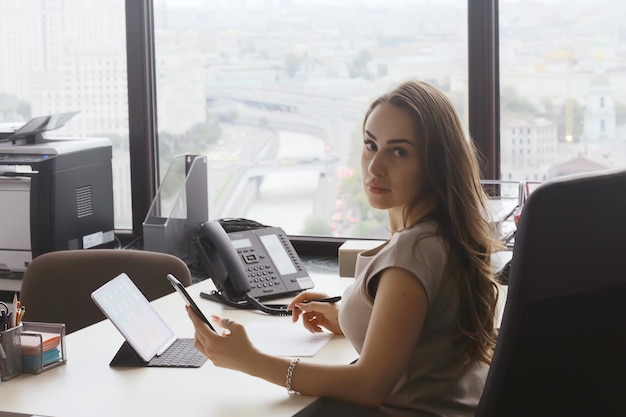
(131, 313)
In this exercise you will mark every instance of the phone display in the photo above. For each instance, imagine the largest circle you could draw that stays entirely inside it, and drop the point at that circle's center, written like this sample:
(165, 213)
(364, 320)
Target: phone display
(180, 288)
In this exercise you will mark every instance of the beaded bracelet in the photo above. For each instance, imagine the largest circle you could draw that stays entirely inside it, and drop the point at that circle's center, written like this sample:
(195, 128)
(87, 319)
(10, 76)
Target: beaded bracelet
(292, 365)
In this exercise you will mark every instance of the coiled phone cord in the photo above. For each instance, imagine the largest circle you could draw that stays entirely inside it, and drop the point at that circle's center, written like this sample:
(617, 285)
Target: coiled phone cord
(249, 303)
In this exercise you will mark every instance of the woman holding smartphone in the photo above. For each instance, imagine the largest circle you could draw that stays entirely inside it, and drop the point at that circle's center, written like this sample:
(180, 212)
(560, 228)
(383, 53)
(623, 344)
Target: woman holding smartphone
(421, 311)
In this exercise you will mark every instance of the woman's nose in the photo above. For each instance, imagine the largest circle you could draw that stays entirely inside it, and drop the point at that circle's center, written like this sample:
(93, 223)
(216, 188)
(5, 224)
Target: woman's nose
(377, 165)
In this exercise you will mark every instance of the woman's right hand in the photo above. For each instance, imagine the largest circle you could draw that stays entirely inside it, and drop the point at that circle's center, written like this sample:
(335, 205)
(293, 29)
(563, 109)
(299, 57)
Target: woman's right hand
(315, 316)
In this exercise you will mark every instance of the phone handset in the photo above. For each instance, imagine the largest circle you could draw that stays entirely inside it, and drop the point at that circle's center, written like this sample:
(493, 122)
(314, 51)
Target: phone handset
(224, 266)
(223, 263)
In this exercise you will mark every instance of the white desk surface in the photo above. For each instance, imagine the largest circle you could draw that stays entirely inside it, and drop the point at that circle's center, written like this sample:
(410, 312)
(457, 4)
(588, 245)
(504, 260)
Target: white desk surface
(87, 386)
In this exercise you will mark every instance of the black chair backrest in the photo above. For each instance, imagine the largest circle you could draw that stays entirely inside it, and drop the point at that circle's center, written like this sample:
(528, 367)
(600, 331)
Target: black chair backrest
(562, 343)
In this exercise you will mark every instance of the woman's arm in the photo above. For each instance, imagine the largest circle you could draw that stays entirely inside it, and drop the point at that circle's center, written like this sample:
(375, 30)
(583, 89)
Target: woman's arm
(395, 326)
(394, 329)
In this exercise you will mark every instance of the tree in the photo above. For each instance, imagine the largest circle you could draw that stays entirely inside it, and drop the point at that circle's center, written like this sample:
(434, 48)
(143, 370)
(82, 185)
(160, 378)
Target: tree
(358, 68)
(620, 110)
(292, 65)
(511, 102)
(10, 105)
(194, 141)
(317, 226)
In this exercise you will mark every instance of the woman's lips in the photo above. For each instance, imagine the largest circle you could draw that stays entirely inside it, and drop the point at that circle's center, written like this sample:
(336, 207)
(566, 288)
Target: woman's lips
(376, 189)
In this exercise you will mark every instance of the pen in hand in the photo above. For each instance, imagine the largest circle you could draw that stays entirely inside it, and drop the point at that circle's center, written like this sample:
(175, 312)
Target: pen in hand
(331, 300)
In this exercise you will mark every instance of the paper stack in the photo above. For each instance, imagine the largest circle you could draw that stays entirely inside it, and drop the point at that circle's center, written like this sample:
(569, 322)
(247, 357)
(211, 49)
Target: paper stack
(40, 349)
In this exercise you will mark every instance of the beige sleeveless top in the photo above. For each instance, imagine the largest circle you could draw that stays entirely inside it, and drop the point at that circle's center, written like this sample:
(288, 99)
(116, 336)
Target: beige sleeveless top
(437, 380)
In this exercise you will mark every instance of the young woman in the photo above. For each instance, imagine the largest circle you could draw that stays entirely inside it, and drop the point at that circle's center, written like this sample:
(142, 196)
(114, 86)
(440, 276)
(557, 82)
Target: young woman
(421, 311)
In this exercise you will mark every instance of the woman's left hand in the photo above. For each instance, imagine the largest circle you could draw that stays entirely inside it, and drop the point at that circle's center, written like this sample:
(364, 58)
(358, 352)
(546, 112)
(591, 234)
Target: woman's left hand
(231, 349)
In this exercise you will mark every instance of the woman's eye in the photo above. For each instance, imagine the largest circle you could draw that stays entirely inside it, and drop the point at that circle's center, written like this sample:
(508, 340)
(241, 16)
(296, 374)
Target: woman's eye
(399, 152)
(370, 145)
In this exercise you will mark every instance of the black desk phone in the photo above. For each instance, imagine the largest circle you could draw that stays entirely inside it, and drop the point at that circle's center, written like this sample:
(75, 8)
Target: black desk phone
(250, 265)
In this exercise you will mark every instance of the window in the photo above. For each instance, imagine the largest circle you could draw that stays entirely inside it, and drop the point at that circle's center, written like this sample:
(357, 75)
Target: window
(274, 93)
(562, 64)
(70, 56)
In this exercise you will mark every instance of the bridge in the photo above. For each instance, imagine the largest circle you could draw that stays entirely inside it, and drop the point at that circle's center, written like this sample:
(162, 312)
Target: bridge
(288, 102)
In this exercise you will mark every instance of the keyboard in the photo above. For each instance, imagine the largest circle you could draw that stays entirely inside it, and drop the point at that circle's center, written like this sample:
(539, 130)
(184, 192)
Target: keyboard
(181, 354)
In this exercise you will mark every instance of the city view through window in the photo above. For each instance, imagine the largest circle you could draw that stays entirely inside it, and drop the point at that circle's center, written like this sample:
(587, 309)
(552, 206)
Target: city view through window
(274, 92)
(562, 88)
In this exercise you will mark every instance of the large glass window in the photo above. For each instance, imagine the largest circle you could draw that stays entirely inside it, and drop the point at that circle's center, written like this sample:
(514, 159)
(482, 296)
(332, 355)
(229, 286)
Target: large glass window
(563, 87)
(63, 56)
(274, 93)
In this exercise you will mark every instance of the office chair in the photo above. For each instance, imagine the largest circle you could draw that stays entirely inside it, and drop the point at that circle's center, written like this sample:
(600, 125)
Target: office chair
(561, 349)
(57, 286)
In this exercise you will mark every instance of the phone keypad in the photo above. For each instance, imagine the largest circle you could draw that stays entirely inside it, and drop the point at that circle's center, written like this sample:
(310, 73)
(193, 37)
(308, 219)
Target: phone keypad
(262, 276)
(260, 272)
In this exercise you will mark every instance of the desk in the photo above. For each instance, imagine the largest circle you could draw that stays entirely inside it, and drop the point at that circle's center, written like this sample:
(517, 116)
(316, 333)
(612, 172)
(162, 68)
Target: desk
(87, 386)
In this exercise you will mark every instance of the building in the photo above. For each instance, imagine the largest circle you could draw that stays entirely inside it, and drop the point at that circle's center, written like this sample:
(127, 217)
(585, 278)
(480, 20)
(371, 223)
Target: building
(528, 148)
(600, 113)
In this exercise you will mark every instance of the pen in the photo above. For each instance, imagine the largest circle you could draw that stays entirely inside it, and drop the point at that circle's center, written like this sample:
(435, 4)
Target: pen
(20, 314)
(331, 300)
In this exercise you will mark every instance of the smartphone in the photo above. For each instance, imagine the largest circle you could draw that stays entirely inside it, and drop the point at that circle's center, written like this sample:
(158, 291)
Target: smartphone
(180, 288)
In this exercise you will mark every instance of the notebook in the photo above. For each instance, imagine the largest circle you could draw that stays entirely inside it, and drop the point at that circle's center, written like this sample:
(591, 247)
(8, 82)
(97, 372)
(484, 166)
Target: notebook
(149, 340)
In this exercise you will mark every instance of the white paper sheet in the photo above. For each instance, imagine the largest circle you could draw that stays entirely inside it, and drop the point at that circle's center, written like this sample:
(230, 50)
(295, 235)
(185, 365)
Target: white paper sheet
(284, 338)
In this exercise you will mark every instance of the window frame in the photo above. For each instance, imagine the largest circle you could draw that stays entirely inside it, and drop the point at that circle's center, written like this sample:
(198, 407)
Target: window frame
(484, 84)
(483, 103)
(142, 115)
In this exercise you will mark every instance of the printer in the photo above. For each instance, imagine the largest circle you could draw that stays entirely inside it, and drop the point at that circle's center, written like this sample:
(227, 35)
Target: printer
(55, 194)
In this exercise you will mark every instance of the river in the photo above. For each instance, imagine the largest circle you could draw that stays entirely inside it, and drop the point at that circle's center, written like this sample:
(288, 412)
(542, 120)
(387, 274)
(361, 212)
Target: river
(287, 198)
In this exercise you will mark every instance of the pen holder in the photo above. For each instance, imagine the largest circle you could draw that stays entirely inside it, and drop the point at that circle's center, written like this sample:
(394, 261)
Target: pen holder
(42, 346)
(10, 353)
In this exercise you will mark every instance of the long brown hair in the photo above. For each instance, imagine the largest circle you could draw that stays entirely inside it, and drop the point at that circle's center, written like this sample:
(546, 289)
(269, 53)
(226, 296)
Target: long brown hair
(451, 166)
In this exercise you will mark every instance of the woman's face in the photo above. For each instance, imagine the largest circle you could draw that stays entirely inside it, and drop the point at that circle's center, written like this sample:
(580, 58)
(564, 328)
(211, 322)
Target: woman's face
(392, 168)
